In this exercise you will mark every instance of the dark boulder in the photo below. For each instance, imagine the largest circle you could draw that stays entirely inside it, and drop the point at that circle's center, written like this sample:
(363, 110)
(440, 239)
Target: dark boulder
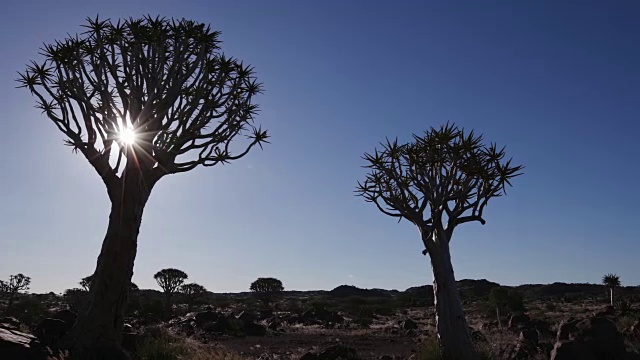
(529, 336)
(15, 345)
(247, 317)
(598, 336)
(518, 320)
(51, 331)
(253, 329)
(68, 316)
(572, 350)
(408, 324)
(204, 317)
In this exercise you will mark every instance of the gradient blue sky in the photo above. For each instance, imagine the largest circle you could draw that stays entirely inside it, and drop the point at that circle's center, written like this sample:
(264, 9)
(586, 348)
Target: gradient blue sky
(557, 82)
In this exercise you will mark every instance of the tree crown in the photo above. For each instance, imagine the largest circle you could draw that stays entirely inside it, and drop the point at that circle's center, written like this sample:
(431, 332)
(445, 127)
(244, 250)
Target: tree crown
(611, 280)
(446, 173)
(193, 290)
(266, 285)
(165, 80)
(16, 283)
(170, 279)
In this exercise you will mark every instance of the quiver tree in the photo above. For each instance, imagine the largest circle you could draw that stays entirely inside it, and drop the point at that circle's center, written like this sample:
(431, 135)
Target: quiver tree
(439, 181)
(170, 281)
(141, 99)
(611, 281)
(266, 289)
(192, 293)
(16, 283)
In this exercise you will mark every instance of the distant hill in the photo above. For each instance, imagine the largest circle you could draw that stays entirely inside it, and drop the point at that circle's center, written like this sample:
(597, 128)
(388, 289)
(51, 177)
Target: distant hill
(469, 289)
(350, 290)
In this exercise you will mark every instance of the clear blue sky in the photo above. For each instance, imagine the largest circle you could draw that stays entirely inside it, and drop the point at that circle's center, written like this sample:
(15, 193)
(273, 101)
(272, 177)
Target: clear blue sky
(557, 82)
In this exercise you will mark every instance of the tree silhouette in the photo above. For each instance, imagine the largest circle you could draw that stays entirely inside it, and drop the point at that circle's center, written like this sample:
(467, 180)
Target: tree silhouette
(266, 289)
(141, 99)
(16, 283)
(439, 181)
(611, 281)
(170, 281)
(499, 298)
(192, 293)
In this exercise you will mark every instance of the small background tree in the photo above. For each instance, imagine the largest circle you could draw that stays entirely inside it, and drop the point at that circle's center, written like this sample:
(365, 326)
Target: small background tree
(16, 284)
(611, 281)
(267, 289)
(439, 181)
(170, 281)
(192, 293)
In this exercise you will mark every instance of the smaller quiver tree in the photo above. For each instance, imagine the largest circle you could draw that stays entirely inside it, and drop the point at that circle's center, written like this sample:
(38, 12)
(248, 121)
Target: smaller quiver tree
(170, 281)
(611, 281)
(192, 293)
(267, 289)
(440, 180)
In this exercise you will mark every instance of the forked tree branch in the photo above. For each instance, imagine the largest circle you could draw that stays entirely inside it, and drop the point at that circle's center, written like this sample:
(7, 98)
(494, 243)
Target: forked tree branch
(443, 172)
(166, 79)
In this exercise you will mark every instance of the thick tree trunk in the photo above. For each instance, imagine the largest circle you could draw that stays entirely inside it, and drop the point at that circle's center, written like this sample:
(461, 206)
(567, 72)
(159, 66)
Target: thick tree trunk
(498, 315)
(167, 305)
(451, 324)
(98, 330)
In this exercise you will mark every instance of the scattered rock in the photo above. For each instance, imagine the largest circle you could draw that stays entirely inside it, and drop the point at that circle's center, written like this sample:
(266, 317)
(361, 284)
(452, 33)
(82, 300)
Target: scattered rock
(9, 323)
(16, 345)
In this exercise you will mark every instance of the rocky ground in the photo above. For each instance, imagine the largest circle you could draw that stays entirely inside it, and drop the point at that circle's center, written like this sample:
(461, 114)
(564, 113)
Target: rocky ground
(548, 329)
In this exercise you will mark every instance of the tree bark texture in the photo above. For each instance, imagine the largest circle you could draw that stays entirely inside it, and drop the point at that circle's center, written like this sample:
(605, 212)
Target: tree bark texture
(451, 324)
(100, 324)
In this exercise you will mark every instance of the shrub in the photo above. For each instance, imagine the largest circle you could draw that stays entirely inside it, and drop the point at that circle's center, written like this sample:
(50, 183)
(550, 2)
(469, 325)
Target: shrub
(29, 310)
(158, 343)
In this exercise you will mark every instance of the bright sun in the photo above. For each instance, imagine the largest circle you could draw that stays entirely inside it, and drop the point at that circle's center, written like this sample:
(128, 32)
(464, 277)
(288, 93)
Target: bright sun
(127, 136)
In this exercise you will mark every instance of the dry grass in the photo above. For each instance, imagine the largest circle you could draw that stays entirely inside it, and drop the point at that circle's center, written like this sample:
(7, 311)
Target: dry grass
(165, 345)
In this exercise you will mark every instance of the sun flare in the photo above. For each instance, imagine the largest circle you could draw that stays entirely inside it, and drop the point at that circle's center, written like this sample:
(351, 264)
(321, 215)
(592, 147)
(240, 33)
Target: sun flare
(127, 136)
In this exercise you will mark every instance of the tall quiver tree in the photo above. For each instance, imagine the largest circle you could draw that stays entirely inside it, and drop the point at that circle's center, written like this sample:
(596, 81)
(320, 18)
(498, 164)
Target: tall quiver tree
(140, 99)
(170, 281)
(611, 281)
(440, 180)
